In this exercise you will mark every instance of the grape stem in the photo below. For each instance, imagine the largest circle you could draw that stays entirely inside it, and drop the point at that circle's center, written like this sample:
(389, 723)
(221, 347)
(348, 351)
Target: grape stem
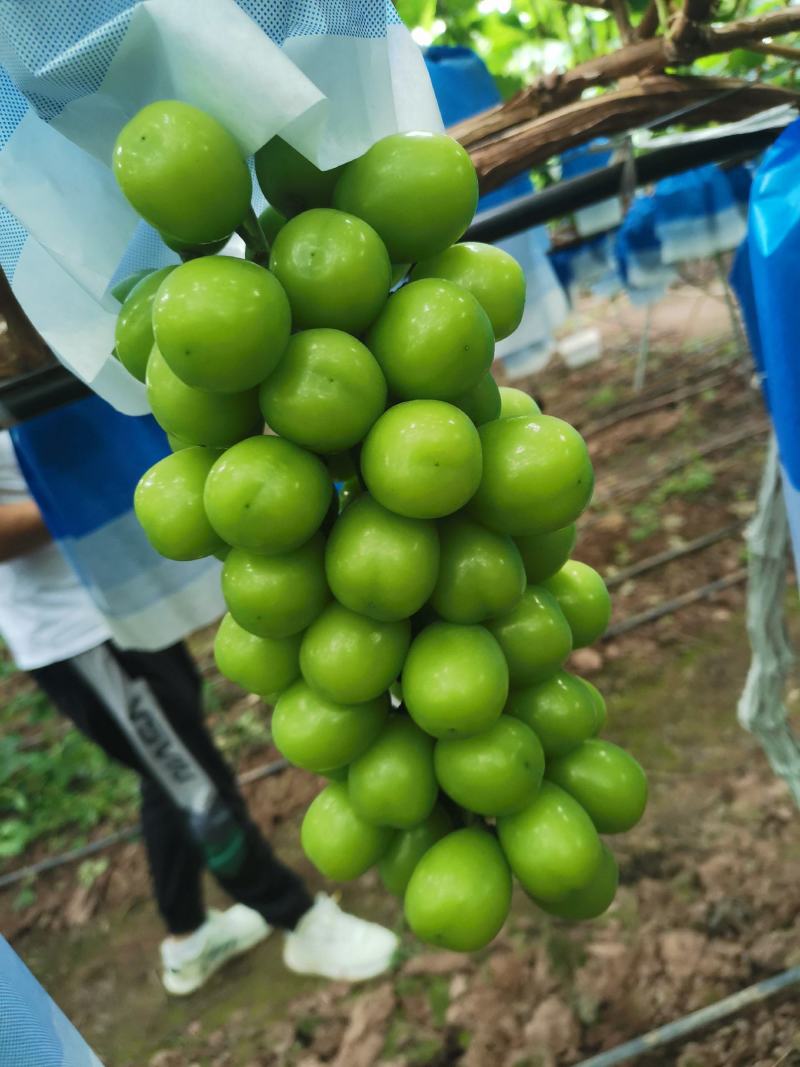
(253, 236)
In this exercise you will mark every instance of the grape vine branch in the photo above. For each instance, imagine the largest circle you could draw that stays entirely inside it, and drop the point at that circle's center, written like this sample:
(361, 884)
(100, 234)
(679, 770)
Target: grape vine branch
(637, 84)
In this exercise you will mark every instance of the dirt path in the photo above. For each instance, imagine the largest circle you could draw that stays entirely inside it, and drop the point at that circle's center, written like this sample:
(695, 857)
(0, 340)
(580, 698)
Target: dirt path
(708, 902)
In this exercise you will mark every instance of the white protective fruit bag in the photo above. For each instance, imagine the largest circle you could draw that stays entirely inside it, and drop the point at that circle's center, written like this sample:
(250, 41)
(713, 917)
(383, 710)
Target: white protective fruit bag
(331, 76)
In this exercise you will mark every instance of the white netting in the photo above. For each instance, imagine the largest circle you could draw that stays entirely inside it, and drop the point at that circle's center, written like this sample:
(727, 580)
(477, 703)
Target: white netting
(762, 710)
(332, 76)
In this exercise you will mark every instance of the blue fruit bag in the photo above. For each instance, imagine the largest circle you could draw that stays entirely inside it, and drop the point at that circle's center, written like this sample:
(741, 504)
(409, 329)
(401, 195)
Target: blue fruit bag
(583, 160)
(765, 277)
(639, 254)
(701, 213)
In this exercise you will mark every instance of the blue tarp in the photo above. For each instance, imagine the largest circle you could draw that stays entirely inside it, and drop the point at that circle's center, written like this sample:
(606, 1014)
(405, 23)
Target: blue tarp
(766, 280)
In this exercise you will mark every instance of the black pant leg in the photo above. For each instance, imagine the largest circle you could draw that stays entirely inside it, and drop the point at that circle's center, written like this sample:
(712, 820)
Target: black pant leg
(175, 861)
(248, 870)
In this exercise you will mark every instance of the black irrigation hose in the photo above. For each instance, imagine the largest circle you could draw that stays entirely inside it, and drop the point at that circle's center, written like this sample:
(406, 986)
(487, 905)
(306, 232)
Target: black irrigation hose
(34, 393)
(660, 558)
(622, 627)
(668, 607)
(719, 444)
(659, 386)
(598, 185)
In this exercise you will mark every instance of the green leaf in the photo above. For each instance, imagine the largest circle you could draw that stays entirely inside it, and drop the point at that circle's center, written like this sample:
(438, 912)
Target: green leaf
(416, 12)
(742, 60)
(24, 899)
(14, 837)
(90, 870)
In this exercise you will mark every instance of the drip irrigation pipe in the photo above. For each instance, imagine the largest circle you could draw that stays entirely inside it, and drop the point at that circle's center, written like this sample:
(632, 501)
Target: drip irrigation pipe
(619, 489)
(688, 1024)
(669, 607)
(661, 558)
(125, 834)
(662, 385)
(535, 209)
(645, 407)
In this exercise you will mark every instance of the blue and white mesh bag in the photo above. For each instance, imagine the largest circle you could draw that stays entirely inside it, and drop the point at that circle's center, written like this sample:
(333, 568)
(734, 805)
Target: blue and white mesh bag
(639, 254)
(700, 213)
(583, 160)
(463, 87)
(34, 1032)
(593, 266)
(331, 76)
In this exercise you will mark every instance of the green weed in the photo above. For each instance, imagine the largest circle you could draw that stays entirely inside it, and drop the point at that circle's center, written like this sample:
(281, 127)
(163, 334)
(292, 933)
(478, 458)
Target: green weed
(603, 398)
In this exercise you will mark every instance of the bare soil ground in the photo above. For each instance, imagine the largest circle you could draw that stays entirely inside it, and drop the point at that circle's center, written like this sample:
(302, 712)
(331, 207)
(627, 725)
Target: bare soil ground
(709, 898)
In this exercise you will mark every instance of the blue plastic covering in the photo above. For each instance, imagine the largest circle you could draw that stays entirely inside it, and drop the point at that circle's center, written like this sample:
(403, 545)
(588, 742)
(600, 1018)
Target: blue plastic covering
(741, 279)
(34, 1032)
(463, 86)
(766, 281)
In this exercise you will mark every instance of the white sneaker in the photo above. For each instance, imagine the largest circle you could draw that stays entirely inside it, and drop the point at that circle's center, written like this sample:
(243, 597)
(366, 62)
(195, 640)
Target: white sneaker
(330, 943)
(189, 962)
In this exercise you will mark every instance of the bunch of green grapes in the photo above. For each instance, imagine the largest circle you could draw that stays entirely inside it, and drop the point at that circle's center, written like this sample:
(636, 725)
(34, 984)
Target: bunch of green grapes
(396, 531)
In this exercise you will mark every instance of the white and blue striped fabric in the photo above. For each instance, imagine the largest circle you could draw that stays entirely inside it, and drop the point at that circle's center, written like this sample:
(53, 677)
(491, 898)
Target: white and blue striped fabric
(34, 1032)
(332, 76)
(81, 463)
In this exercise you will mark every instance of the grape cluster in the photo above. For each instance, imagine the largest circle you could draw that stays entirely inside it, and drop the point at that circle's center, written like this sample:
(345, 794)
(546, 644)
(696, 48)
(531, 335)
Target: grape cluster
(396, 531)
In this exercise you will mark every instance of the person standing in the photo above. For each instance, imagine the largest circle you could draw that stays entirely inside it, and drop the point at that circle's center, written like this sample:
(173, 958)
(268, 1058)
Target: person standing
(143, 708)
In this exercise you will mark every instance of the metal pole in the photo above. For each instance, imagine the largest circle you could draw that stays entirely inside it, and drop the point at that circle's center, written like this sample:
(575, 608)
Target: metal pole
(644, 351)
(738, 336)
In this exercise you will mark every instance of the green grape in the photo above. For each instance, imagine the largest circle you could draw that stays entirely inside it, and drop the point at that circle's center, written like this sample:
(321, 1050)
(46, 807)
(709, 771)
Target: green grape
(493, 277)
(418, 190)
(183, 172)
(290, 182)
(334, 268)
(133, 335)
(215, 420)
(222, 324)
